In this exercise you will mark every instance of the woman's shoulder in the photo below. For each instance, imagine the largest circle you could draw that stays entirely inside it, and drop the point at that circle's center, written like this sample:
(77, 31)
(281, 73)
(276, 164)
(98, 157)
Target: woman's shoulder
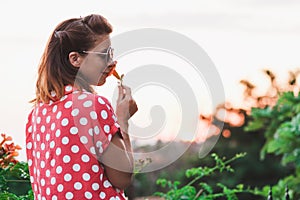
(91, 98)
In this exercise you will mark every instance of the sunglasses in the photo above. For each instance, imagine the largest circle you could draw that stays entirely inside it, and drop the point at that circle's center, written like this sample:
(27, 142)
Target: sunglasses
(108, 55)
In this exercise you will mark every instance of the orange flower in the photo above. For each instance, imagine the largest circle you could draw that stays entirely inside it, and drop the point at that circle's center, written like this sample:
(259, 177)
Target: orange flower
(115, 73)
(5, 138)
(15, 153)
(8, 151)
(8, 138)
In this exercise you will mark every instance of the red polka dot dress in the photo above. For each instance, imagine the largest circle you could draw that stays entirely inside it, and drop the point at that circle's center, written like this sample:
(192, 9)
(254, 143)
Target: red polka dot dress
(64, 140)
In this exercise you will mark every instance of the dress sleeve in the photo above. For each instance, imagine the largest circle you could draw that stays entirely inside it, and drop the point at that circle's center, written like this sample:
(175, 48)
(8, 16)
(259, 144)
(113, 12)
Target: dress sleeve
(28, 125)
(108, 125)
(95, 122)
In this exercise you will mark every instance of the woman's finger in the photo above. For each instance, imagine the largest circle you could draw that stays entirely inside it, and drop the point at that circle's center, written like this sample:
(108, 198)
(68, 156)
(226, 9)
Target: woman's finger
(121, 93)
(133, 108)
(127, 92)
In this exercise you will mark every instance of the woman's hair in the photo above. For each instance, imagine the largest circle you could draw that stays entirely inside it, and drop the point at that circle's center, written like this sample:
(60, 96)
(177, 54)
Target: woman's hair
(55, 70)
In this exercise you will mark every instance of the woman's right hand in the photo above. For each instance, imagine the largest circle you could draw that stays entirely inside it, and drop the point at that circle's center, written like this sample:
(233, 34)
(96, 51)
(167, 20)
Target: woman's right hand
(118, 158)
(126, 106)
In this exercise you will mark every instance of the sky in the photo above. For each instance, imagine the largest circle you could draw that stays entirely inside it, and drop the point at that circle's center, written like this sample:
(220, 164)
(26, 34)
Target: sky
(241, 38)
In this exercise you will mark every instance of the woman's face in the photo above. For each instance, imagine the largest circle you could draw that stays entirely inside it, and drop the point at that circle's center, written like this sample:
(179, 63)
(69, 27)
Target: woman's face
(95, 67)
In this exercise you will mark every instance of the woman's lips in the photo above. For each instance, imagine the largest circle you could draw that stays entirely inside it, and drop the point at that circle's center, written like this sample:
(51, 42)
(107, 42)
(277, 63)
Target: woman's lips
(112, 71)
(109, 69)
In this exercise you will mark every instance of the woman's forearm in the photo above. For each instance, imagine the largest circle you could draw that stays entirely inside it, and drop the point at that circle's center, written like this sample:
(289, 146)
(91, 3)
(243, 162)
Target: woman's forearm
(127, 143)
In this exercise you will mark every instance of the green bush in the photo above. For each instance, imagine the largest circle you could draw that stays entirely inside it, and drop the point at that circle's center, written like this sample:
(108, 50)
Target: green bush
(199, 190)
(281, 127)
(14, 175)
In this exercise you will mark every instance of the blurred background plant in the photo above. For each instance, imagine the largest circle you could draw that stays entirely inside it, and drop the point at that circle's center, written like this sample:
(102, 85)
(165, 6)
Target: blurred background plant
(281, 127)
(14, 175)
(199, 190)
(266, 127)
(268, 131)
(8, 151)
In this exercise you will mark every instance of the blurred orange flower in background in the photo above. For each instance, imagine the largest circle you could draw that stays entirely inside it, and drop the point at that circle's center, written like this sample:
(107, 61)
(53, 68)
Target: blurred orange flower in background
(8, 151)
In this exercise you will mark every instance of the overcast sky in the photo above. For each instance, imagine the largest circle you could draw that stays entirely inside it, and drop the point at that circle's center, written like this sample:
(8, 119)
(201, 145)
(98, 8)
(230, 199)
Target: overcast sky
(241, 37)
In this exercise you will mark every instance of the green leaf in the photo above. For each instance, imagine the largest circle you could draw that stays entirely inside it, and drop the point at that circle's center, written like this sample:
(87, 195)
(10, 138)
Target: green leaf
(161, 182)
(9, 196)
(261, 112)
(288, 158)
(254, 125)
(274, 146)
(206, 187)
(195, 172)
(240, 186)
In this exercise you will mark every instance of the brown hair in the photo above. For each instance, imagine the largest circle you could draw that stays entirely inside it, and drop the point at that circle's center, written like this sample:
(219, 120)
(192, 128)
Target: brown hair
(55, 70)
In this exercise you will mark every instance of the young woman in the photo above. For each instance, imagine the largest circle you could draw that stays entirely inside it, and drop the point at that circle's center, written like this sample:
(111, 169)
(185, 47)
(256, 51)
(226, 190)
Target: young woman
(77, 146)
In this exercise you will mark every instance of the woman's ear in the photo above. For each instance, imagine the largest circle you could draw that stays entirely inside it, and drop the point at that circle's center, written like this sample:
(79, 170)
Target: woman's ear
(75, 59)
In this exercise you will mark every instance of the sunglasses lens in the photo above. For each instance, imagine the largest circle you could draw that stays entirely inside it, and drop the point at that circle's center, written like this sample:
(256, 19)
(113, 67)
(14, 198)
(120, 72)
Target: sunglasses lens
(110, 55)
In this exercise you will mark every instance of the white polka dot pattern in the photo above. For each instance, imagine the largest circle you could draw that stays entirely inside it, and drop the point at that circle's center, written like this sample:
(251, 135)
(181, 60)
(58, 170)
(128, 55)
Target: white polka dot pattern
(74, 130)
(83, 121)
(75, 149)
(76, 167)
(87, 104)
(77, 186)
(63, 140)
(88, 195)
(68, 104)
(75, 112)
(69, 195)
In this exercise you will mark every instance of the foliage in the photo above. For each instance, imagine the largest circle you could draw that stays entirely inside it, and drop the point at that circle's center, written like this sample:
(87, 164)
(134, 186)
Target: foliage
(198, 190)
(281, 126)
(273, 124)
(140, 164)
(251, 171)
(14, 175)
(8, 151)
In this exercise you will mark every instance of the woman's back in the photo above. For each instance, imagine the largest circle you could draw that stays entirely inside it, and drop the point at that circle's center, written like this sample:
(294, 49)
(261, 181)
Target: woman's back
(65, 140)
